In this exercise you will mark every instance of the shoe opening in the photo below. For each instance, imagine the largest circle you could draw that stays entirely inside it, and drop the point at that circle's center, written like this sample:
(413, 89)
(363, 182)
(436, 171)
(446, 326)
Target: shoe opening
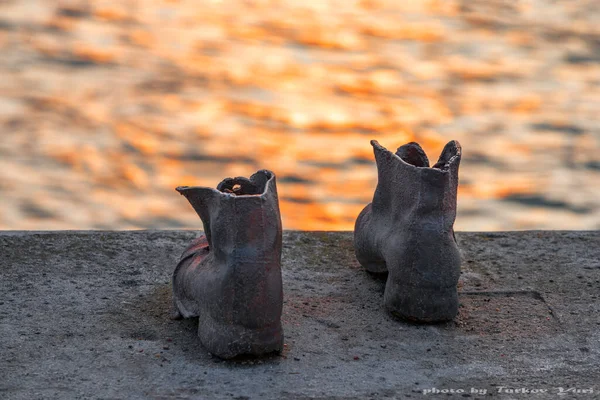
(413, 155)
(240, 186)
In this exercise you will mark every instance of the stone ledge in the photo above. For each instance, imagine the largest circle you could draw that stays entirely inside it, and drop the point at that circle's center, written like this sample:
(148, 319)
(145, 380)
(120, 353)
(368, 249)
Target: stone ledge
(85, 315)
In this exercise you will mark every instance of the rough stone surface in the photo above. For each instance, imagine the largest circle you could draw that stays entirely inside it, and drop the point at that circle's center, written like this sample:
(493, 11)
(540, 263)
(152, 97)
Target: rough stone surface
(85, 315)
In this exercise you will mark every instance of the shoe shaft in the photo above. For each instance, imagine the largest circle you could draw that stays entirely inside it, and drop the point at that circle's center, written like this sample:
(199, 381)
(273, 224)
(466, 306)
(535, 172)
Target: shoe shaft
(407, 194)
(239, 227)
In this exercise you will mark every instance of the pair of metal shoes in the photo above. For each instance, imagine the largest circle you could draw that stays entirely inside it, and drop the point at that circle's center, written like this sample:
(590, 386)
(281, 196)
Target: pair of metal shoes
(231, 277)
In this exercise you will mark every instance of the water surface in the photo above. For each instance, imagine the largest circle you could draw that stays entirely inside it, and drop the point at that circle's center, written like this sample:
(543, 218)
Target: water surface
(106, 107)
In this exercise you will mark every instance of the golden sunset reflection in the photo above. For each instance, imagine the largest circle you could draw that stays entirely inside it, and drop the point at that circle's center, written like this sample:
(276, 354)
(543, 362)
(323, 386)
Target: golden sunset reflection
(106, 107)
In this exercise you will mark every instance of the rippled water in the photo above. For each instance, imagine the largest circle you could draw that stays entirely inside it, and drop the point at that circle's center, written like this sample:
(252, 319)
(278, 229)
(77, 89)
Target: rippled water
(106, 106)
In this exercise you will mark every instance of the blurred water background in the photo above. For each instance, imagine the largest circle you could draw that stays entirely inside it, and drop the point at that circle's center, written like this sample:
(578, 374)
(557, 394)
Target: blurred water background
(107, 106)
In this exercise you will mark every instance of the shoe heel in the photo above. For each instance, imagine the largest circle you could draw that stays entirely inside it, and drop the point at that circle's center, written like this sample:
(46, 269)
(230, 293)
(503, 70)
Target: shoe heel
(231, 340)
(418, 304)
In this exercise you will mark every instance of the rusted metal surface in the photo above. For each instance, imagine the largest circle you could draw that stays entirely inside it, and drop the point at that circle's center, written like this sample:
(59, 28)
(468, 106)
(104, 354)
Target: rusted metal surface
(231, 276)
(408, 232)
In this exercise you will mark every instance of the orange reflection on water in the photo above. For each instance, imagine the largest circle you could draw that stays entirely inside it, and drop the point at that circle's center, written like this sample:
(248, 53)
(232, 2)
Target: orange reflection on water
(106, 107)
